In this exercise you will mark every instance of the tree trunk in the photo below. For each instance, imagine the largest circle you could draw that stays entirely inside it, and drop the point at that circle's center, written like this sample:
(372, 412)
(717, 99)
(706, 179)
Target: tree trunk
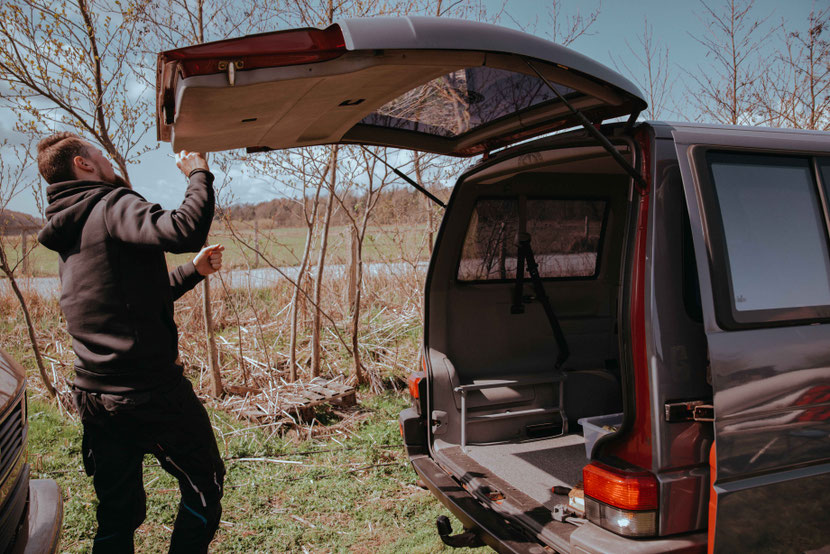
(358, 366)
(321, 262)
(213, 354)
(427, 202)
(352, 265)
(30, 328)
(295, 298)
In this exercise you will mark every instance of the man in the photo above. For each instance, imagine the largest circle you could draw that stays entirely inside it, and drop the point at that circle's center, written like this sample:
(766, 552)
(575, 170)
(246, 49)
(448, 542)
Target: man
(117, 297)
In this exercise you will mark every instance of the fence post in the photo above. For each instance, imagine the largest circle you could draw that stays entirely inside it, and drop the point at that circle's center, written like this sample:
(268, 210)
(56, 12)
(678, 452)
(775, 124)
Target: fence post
(23, 249)
(256, 243)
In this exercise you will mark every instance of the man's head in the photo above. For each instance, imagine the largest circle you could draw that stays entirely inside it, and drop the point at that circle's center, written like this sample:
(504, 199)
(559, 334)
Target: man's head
(66, 157)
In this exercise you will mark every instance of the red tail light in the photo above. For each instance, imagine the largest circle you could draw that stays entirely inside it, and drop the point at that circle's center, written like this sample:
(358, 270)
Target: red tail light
(624, 502)
(413, 382)
(626, 490)
(299, 46)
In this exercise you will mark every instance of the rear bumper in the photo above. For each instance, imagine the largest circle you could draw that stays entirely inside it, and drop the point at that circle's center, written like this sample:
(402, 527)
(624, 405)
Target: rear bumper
(503, 537)
(41, 528)
(492, 528)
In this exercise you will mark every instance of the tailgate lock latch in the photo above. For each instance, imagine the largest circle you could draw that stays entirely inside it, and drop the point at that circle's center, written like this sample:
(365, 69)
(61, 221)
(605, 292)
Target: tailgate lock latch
(690, 410)
(231, 66)
(439, 422)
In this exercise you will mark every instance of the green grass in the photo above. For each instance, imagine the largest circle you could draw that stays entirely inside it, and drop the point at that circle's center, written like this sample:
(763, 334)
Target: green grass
(353, 494)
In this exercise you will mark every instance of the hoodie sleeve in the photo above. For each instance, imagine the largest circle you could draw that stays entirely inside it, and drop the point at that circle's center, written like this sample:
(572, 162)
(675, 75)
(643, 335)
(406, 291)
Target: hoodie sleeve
(131, 219)
(184, 278)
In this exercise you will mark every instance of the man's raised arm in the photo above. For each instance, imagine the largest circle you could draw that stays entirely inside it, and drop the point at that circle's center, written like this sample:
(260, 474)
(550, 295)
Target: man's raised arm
(131, 219)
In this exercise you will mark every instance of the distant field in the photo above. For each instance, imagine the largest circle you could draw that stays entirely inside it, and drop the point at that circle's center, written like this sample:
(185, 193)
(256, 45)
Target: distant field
(281, 247)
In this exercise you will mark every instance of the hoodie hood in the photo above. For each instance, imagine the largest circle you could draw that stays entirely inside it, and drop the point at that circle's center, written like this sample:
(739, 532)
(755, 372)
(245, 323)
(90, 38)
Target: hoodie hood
(70, 203)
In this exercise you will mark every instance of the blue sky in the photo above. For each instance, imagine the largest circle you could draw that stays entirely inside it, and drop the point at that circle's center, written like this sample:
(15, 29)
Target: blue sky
(675, 23)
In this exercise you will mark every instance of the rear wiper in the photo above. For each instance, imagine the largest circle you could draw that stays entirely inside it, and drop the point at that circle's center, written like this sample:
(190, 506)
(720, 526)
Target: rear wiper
(406, 178)
(641, 184)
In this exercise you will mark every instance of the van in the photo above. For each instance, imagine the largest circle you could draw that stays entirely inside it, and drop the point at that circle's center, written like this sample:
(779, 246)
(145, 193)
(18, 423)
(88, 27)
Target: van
(626, 342)
(31, 510)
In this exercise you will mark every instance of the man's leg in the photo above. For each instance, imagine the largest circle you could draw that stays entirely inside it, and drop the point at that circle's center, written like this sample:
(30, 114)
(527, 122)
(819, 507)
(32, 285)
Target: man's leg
(187, 449)
(115, 467)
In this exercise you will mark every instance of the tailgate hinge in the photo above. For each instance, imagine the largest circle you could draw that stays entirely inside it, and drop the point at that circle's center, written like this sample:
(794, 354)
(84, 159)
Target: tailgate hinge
(690, 410)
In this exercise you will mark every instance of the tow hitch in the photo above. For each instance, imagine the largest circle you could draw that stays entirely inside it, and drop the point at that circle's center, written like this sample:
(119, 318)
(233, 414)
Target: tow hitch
(467, 539)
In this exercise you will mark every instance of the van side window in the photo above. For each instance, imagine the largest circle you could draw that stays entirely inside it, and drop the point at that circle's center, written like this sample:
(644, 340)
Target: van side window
(773, 231)
(566, 235)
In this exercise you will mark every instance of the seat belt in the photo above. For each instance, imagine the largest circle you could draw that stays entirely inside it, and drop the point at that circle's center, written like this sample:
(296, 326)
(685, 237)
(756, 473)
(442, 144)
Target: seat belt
(518, 306)
(525, 255)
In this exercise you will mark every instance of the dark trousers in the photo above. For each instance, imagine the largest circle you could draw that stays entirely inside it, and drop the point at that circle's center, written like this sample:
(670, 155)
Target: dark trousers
(171, 424)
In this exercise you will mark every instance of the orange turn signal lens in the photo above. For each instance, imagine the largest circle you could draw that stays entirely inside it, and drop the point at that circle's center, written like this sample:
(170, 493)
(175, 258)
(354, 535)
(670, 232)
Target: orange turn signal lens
(621, 489)
(413, 382)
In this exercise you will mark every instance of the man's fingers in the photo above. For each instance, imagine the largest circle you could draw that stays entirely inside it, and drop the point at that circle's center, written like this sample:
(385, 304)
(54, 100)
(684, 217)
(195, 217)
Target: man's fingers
(215, 255)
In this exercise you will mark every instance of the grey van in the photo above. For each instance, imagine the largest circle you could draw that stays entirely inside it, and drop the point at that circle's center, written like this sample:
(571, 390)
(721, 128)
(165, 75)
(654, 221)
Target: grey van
(626, 341)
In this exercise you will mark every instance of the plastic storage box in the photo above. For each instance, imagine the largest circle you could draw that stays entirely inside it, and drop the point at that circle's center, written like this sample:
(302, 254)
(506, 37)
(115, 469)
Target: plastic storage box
(592, 429)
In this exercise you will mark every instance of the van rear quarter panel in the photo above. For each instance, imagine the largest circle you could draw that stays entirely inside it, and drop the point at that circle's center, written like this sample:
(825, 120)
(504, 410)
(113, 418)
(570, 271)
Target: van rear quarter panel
(771, 386)
(677, 356)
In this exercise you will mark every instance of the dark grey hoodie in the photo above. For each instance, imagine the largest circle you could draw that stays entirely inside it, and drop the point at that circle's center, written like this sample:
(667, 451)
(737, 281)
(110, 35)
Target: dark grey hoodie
(116, 293)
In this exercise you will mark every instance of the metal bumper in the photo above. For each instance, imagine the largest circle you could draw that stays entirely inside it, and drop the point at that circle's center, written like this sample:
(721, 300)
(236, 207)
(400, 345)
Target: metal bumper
(498, 533)
(43, 521)
(494, 530)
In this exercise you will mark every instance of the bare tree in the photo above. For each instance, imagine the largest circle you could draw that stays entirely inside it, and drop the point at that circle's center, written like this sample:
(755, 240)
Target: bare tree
(67, 65)
(12, 182)
(321, 264)
(177, 23)
(565, 28)
(724, 91)
(374, 183)
(652, 70)
(795, 89)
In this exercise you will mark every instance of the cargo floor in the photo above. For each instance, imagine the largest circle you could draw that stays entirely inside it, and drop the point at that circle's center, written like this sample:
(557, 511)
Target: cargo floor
(535, 467)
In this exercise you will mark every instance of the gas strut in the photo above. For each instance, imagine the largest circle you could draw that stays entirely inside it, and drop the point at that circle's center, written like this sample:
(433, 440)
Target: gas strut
(406, 178)
(586, 123)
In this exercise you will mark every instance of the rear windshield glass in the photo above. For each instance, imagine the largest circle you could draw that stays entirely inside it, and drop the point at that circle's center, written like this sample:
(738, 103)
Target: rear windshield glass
(462, 100)
(564, 235)
(774, 230)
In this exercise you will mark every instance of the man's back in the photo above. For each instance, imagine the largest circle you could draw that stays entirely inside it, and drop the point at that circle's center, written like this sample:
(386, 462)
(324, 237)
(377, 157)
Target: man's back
(117, 295)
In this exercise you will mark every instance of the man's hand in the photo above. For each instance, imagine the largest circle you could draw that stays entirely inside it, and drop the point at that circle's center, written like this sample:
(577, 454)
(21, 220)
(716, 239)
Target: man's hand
(188, 161)
(209, 259)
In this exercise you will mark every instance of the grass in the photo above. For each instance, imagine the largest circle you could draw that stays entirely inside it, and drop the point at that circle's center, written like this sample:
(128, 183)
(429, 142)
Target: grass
(355, 493)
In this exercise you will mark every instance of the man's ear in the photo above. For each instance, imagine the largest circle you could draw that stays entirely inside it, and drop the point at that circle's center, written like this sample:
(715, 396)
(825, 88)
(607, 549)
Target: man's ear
(81, 164)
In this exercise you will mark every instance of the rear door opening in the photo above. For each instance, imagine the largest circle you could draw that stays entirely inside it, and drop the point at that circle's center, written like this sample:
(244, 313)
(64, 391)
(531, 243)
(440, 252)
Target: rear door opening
(506, 421)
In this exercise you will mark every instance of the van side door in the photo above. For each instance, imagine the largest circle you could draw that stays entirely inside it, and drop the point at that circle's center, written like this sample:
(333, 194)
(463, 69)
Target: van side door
(758, 205)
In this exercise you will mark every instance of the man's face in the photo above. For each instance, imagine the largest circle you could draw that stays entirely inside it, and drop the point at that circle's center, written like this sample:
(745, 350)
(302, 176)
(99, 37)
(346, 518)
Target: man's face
(102, 165)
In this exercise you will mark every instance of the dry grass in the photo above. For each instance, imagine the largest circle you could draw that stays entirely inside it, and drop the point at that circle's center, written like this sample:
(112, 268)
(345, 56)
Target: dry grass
(252, 329)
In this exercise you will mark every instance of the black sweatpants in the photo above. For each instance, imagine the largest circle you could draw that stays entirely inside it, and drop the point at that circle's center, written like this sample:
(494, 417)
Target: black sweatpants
(171, 424)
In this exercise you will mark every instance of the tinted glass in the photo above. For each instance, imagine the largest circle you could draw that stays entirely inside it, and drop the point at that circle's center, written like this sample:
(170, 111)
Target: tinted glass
(565, 238)
(774, 230)
(462, 100)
